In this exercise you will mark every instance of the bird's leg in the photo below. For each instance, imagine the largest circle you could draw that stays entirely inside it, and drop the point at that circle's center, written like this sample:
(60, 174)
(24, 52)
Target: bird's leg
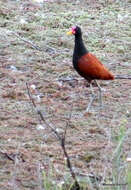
(92, 99)
(91, 87)
(100, 93)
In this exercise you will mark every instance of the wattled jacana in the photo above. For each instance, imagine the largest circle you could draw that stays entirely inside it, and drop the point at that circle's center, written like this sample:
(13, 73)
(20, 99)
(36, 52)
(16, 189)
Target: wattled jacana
(87, 65)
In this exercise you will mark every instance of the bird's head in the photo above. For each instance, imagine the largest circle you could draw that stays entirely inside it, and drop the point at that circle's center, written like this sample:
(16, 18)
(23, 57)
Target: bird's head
(75, 30)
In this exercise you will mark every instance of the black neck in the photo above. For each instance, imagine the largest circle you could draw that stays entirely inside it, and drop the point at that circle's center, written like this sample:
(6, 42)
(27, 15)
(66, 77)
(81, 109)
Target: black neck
(79, 49)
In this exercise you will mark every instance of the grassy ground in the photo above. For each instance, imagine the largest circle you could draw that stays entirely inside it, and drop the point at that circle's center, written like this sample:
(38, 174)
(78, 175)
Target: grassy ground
(98, 143)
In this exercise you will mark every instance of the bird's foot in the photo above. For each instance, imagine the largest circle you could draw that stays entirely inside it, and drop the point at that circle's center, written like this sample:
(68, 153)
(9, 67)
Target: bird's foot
(90, 111)
(103, 90)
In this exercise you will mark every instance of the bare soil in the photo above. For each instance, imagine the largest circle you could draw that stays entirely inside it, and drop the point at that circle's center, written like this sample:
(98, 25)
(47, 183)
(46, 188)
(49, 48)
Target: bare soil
(28, 148)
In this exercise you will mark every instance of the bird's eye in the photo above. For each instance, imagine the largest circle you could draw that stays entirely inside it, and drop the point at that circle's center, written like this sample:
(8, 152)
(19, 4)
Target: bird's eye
(73, 29)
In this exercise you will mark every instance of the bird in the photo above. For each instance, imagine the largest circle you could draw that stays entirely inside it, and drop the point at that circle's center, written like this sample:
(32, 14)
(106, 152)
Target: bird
(88, 65)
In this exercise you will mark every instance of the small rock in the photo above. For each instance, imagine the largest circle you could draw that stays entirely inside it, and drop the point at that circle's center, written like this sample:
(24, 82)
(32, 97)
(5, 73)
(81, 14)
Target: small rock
(40, 127)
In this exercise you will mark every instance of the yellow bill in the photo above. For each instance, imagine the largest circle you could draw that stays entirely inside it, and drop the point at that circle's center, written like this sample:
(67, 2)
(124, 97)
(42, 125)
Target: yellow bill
(69, 33)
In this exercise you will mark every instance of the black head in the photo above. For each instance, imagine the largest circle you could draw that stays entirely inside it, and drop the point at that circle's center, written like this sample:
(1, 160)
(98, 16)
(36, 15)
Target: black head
(76, 30)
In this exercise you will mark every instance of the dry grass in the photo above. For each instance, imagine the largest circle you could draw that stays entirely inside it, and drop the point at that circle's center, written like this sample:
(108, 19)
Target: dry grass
(28, 151)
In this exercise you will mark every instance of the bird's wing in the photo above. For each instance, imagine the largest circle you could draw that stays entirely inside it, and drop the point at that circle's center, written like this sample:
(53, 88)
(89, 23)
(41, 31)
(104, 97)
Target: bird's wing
(91, 67)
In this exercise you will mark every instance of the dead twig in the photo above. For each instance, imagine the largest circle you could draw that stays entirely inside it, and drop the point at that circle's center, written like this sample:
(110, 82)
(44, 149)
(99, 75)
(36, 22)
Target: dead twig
(61, 139)
(47, 49)
(27, 41)
(115, 184)
(122, 77)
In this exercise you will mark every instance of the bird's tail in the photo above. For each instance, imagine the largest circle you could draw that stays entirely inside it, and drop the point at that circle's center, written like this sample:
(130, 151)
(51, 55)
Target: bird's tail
(122, 77)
